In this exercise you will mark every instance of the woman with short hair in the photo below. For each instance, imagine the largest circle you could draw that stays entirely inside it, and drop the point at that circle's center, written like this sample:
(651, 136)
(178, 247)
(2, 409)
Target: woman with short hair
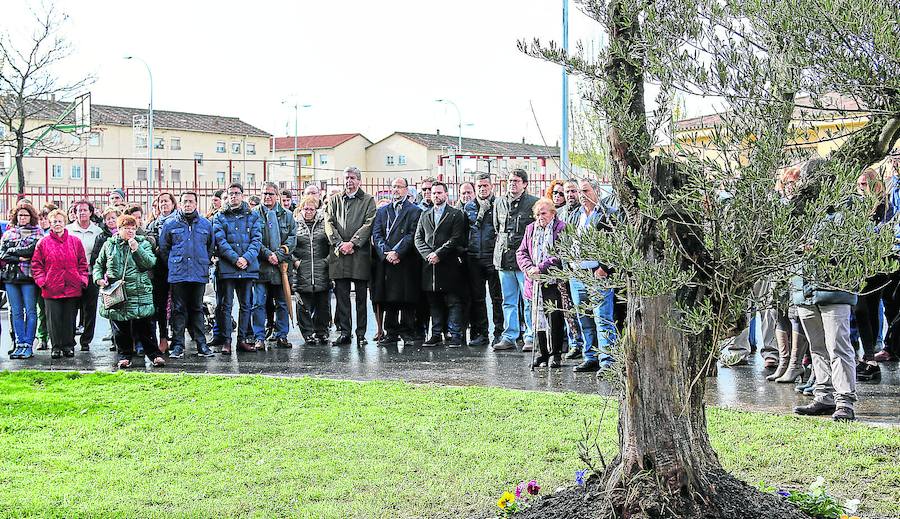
(16, 250)
(311, 281)
(129, 258)
(59, 267)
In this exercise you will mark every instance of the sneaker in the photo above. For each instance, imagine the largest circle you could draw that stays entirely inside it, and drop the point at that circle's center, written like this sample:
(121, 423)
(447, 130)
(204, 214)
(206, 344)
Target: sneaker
(176, 353)
(69, 352)
(205, 352)
(455, 342)
(528, 346)
(388, 340)
(504, 344)
(843, 414)
(588, 366)
(479, 341)
(27, 352)
(16, 352)
(361, 342)
(434, 340)
(815, 409)
(260, 346)
(283, 342)
(574, 353)
(868, 372)
(56, 353)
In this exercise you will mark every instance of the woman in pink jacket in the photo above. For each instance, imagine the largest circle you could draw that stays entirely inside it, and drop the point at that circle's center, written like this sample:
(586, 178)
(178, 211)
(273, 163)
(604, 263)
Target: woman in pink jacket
(59, 267)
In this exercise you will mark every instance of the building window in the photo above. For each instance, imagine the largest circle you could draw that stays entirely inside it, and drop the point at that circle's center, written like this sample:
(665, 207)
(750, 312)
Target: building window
(160, 175)
(140, 142)
(323, 159)
(235, 147)
(141, 174)
(251, 178)
(175, 143)
(282, 184)
(251, 148)
(94, 139)
(389, 160)
(220, 146)
(76, 171)
(176, 175)
(56, 171)
(220, 177)
(236, 176)
(95, 172)
(306, 160)
(159, 143)
(401, 160)
(199, 158)
(283, 161)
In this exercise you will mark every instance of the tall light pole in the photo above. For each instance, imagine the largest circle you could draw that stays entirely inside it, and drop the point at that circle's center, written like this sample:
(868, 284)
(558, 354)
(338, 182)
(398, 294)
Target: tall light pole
(459, 134)
(564, 146)
(150, 172)
(297, 108)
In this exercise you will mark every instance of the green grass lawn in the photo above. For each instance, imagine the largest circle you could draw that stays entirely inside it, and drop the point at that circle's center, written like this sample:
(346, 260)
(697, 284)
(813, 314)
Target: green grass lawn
(145, 445)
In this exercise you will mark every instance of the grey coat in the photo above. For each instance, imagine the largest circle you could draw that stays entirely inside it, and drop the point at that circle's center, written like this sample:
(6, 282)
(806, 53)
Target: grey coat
(350, 219)
(287, 227)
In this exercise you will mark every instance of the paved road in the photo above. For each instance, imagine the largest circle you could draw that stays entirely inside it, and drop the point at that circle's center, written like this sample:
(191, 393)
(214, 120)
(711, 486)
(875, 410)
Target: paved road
(743, 387)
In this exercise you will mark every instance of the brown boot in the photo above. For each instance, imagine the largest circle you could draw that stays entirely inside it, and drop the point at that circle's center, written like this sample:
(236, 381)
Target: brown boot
(799, 345)
(784, 354)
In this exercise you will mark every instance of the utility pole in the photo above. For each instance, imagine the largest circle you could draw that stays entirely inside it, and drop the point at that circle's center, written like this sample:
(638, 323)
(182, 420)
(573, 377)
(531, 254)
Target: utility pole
(564, 145)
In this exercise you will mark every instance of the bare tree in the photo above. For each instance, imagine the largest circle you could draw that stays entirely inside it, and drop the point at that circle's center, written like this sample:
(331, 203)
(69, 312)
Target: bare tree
(30, 87)
(698, 230)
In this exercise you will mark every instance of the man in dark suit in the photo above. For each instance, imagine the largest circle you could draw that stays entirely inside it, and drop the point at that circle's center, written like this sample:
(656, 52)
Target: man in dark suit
(441, 241)
(396, 273)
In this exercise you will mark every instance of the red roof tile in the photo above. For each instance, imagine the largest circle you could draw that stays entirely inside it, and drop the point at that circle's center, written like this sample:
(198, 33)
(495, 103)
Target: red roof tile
(311, 142)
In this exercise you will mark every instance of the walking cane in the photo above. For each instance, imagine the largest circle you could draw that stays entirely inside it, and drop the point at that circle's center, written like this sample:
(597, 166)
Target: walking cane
(535, 295)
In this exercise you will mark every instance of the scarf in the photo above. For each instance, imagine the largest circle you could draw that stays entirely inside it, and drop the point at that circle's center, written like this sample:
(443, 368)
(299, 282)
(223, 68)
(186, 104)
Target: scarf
(541, 242)
(20, 238)
(273, 230)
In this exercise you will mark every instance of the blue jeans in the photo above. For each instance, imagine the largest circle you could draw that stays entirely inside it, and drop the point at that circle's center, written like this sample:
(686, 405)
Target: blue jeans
(244, 289)
(258, 311)
(512, 283)
(597, 328)
(23, 310)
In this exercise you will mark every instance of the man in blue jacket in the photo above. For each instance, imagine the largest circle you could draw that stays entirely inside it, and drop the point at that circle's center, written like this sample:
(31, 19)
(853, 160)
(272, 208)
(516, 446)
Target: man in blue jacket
(186, 244)
(238, 240)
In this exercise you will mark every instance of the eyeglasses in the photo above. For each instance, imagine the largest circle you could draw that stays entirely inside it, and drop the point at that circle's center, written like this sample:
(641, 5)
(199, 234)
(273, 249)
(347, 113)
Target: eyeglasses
(560, 193)
(426, 189)
(270, 194)
(235, 193)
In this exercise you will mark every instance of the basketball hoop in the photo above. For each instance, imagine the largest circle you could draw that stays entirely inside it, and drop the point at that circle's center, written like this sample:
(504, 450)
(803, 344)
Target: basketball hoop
(83, 114)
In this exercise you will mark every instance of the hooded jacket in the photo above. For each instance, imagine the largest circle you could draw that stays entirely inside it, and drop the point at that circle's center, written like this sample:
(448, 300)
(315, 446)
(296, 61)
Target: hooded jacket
(238, 235)
(186, 244)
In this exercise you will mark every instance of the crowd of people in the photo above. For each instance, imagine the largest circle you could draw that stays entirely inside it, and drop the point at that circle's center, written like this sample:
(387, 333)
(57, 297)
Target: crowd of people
(429, 267)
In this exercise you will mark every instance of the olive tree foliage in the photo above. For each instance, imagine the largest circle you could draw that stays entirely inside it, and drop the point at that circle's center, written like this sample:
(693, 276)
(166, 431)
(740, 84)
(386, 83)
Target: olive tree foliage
(29, 57)
(718, 226)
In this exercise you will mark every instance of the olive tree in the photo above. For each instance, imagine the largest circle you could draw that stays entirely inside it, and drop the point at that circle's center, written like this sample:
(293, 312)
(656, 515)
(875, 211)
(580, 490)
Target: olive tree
(700, 223)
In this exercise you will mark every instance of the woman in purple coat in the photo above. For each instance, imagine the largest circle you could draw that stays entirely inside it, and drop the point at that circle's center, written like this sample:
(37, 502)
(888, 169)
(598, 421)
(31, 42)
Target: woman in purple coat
(550, 298)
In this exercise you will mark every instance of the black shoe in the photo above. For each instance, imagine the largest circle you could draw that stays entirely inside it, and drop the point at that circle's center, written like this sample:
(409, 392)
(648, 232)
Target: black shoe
(56, 353)
(69, 352)
(587, 366)
(844, 414)
(85, 347)
(342, 340)
(321, 339)
(573, 354)
(216, 342)
(283, 342)
(554, 362)
(388, 340)
(540, 361)
(479, 342)
(868, 373)
(205, 352)
(361, 342)
(520, 342)
(455, 342)
(434, 340)
(814, 409)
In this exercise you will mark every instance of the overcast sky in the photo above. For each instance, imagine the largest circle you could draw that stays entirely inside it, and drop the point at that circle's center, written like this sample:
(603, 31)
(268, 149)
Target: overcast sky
(364, 66)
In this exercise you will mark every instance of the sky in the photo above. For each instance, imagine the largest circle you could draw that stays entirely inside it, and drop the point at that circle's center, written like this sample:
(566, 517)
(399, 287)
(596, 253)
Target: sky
(363, 66)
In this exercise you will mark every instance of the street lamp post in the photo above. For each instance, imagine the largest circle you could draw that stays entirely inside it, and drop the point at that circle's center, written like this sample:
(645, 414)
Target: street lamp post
(150, 172)
(297, 108)
(459, 134)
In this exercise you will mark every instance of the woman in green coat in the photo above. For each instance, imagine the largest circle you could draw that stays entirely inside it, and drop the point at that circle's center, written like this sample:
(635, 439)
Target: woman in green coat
(130, 258)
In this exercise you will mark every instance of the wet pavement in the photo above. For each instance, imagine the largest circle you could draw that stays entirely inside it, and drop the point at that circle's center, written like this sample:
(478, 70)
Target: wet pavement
(742, 387)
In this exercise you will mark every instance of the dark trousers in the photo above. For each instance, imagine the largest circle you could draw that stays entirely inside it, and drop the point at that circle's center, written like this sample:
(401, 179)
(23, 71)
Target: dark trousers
(400, 319)
(479, 274)
(446, 314)
(87, 306)
(891, 299)
(551, 343)
(187, 312)
(867, 312)
(161, 302)
(61, 321)
(244, 290)
(342, 317)
(129, 333)
(315, 313)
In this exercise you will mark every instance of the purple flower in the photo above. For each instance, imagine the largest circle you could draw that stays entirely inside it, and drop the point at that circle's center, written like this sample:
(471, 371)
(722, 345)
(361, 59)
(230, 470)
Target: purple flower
(533, 488)
(519, 490)
(783, 493)
(579, 477)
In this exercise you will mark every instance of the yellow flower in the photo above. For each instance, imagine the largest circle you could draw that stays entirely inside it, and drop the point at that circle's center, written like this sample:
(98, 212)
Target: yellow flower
(845, 516)
(505, 500)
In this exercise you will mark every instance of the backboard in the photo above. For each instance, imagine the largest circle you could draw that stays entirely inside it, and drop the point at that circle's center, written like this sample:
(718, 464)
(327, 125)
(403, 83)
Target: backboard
(83, 113)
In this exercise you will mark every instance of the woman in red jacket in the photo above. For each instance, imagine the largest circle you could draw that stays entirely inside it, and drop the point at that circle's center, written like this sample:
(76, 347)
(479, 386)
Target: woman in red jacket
(59, 267)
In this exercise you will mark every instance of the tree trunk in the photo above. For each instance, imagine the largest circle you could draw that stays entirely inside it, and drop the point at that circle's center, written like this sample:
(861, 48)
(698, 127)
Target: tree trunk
(20, 163)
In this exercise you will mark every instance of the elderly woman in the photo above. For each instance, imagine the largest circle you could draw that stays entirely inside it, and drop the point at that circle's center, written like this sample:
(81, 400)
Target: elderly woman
(550, 298)
(311, 281)
(16, 249)
(59, 267)
(129, 258)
